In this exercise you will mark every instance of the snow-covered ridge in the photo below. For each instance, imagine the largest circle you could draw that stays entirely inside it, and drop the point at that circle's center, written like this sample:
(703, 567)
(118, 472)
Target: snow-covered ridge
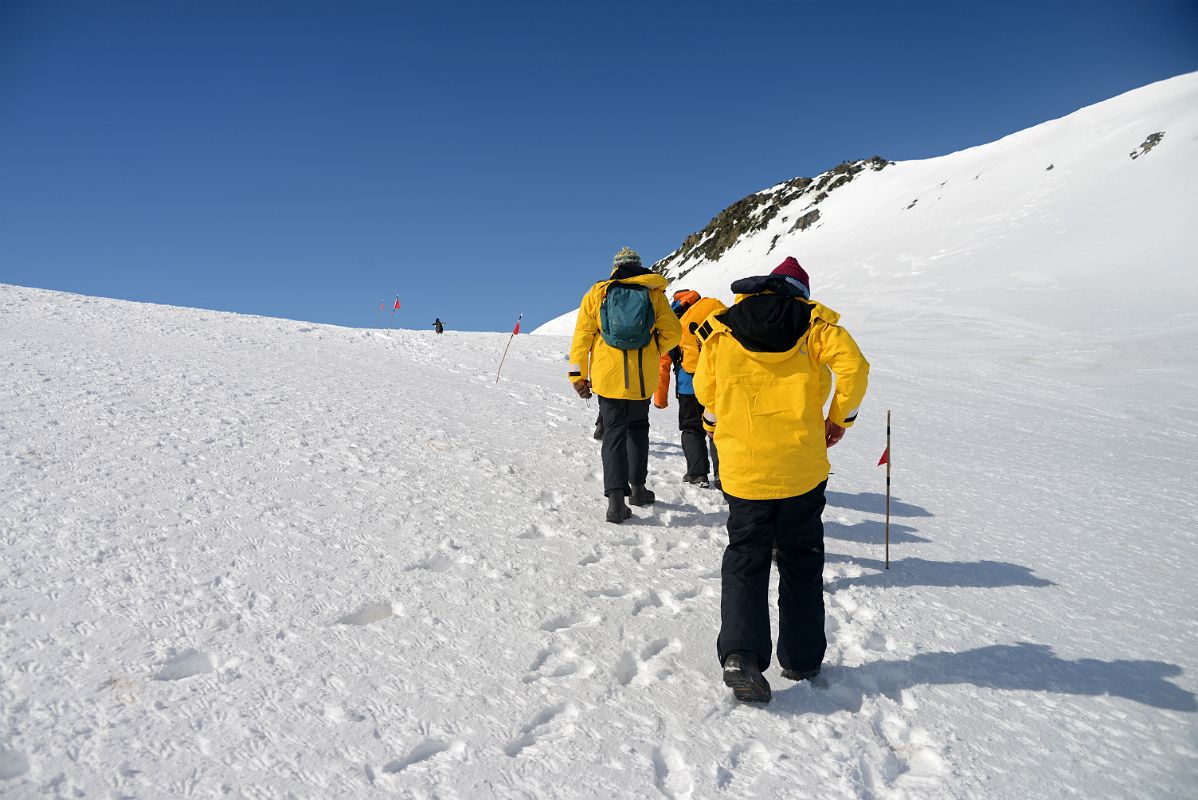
(1072, 211)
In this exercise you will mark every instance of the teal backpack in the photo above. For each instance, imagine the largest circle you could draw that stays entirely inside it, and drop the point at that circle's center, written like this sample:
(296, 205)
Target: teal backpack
(626, 316)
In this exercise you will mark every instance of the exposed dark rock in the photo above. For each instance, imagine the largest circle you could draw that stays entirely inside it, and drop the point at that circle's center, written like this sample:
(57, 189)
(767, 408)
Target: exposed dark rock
(1152, 141)
(1049, 167)
(753, 213)
(913, 202)
(806, 221)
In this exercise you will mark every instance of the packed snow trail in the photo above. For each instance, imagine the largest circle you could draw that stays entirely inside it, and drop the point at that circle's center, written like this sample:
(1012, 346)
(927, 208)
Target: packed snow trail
(255, 557)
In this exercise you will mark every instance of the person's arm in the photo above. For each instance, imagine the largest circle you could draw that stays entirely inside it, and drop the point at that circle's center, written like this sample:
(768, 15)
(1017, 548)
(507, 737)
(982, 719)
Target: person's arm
(705, 385)
(833, 346)
(669, 329)
(585, 330)
(661, 398)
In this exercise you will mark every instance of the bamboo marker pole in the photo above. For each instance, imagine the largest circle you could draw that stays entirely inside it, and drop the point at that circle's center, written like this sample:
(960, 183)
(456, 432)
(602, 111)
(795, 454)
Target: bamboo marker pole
(515, 331)
(505, 347)
(888, 459)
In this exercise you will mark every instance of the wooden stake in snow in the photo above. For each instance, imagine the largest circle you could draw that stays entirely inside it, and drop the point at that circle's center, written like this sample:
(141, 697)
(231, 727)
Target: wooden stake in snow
(515, 331)
(885, 459)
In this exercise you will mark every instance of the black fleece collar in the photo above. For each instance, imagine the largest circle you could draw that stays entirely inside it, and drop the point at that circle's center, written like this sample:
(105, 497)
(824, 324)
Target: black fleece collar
(768, 323)
(626, 271)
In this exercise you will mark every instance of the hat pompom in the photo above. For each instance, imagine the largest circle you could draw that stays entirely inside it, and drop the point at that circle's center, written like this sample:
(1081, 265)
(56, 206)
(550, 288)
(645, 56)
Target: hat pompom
(626, 257)
(794, 274)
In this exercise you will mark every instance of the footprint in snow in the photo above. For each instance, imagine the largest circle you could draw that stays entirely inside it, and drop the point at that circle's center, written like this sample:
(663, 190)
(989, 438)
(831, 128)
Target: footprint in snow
(558, 662)
(671, 775)
(649, 666)
(551, 724)
(423, 752)
(185, 664)
(436, 563)
(13, 764)
(745, 764)
(567, 621)
(610, 593)
(538, 531)
(651, 600)
(371, 612)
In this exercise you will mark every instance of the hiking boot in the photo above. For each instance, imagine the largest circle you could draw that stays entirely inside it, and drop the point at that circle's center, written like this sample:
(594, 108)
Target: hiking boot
(746, 681)
(717, 484)
(696, 480)
(617, 511)
(598, 431)
(641, 496)
(800, 674)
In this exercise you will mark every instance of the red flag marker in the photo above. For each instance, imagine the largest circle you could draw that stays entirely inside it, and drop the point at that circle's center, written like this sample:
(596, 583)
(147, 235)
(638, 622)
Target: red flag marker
(515, 330)
(396, 303)
(885, 459)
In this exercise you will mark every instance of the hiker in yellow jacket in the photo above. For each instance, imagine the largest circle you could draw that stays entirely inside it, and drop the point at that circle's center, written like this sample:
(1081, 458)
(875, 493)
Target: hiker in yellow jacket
(762, 378)
(624, 325)
(699, 450)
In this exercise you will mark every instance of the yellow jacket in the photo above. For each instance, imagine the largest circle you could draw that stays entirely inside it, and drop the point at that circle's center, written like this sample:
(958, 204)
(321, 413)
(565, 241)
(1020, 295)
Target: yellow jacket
(764, 402)
(698, 312)
(622, 374)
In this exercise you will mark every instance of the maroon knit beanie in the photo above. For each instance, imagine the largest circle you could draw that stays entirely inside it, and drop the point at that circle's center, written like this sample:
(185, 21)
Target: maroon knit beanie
(795, 275)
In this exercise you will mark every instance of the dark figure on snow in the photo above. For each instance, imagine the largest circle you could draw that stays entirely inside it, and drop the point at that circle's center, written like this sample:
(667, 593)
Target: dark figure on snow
(762, 378)
(438, 325)
(624, 325)
(697, 446)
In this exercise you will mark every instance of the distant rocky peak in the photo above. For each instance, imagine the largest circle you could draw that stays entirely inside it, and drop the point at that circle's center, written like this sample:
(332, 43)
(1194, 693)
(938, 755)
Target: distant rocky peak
(753, 213)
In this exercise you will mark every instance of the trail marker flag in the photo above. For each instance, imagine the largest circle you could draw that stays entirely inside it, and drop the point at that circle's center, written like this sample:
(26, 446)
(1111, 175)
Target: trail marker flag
(885, 459)
(396, 308)
(515, 330)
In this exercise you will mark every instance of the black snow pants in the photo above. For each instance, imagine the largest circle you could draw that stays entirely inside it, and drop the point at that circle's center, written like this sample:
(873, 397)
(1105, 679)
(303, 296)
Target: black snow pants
(794, 526)
(625, 443)
(694, 438)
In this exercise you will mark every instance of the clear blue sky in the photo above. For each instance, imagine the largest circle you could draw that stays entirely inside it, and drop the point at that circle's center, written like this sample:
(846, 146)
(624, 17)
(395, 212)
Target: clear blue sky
(308, 160)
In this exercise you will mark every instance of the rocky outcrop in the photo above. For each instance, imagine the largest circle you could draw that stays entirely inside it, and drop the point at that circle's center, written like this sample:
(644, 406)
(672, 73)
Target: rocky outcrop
(753, 213)
(1152, 141)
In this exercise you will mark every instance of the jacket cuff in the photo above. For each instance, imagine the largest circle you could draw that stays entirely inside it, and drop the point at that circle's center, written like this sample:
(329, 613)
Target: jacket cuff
(848, 420)
(709, 422)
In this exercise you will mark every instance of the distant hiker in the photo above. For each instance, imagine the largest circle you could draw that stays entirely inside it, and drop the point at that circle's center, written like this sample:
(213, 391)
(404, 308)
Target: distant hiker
(624, 325)
(693, 309)
(761, 377)
(438, 325)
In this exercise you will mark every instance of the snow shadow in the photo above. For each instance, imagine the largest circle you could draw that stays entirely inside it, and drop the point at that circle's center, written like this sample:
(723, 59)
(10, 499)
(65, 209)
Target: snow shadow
(872, 532)
(922, 572)
(875, 502)
(1023, 666)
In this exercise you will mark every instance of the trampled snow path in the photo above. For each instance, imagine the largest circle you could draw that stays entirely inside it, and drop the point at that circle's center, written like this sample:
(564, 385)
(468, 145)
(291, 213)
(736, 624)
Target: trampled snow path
(255, 557)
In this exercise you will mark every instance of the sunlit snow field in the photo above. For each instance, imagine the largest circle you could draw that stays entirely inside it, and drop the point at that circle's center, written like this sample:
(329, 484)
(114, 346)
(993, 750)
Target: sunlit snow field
(254, 557)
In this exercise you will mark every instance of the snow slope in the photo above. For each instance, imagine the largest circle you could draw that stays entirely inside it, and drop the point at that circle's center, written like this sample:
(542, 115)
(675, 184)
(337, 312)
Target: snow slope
(251, 557)
(1056, 226)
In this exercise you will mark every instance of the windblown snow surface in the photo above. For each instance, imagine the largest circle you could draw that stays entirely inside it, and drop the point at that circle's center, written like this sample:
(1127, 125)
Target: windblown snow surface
(258, 558)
